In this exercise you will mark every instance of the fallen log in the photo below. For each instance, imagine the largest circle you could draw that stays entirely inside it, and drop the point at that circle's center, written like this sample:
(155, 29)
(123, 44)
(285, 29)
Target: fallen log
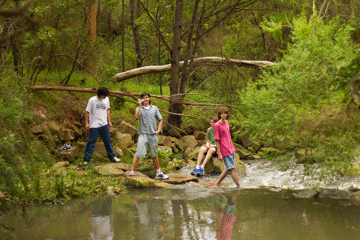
(197, 61)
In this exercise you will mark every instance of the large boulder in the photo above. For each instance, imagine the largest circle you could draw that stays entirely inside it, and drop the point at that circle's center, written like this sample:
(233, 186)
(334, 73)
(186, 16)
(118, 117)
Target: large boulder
(67, 134)
(54, 128)
(122, 140)
(245, 141)
(199, 135)
(177, 178)
(127, 128)
(111, 169)
(142, 181)
(243, 152)
(38, 129)
(190, 141)
(165, 149)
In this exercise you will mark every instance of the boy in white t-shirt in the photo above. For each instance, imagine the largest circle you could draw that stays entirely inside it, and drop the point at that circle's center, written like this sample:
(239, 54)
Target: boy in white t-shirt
(98, 120)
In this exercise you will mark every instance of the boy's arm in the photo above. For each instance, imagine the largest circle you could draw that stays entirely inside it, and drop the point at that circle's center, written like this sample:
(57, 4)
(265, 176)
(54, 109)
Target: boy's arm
(138, 110)
(218, 150)
(159, 127)
(109, 118)
(87, 120)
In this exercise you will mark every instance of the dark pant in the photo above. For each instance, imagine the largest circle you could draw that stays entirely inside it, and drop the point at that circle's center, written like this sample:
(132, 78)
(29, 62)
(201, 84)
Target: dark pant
(104, 132)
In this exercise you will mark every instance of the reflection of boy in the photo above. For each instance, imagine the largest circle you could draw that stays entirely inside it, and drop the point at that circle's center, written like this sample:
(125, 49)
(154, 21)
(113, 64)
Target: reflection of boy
(228, 217)
(101, 225)
(149, 220)
(225, 148)
(209, 148)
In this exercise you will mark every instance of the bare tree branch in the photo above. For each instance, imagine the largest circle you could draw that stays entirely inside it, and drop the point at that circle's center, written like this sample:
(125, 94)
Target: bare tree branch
(197, 61)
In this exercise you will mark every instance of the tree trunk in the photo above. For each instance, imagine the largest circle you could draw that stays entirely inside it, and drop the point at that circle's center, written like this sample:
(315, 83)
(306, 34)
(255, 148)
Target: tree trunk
(92, 22)
(174, 106)
(108, 26)
(136, 35)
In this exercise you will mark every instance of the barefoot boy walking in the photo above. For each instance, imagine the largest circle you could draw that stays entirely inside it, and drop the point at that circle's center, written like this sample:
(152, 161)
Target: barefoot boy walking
(225, 148)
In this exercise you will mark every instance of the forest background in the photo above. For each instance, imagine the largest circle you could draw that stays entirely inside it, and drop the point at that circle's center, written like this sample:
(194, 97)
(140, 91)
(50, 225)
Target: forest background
(309, 100)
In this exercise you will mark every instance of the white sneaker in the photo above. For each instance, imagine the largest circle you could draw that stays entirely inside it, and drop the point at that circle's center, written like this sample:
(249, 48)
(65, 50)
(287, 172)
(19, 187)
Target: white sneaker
(162, 175)
(132, 173)
(116, 160)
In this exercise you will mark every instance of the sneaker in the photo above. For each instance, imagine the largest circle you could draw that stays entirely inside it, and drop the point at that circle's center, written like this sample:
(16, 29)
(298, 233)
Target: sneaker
(132, 173)
(86, 162)
(66, 147)
(116, 160)
(195, 172)
(162, 175)
(200, 172)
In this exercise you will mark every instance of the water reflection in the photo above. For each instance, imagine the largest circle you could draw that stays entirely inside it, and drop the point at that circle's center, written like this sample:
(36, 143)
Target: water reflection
(192, 213)
(101, 220)
(225, 208)
(150, 225)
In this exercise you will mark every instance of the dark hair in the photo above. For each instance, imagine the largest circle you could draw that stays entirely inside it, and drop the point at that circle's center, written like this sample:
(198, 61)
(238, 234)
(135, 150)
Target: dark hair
(145, 94)
(223, 110)
(102, 91)
(214, 118)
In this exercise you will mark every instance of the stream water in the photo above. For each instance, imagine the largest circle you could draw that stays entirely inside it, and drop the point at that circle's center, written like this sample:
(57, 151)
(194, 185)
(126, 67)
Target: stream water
(261, 211)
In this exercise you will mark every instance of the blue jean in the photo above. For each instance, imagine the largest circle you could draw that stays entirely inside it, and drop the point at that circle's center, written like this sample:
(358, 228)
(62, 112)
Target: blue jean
(104, 132)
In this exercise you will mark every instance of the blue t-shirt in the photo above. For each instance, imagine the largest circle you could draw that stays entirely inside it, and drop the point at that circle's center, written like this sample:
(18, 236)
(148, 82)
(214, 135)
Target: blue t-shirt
(148, 117)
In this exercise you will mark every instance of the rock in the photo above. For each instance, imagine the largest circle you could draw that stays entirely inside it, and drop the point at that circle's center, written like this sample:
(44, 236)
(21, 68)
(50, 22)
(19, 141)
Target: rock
(127, 128)
(67, 134)
(54, 128)
(38, 129)
(177, 178)
(118, 151)
(165, 141)
(190, 141)
(69, 154)
(165, 149)
(199, 135)
(244, 153)
(61, 166)
(245, 141)
(110, 169)
(142, 181)
(253, 157)
(180, 144)
(175, 164)
(194, 154)
(123, 140)
(256, 146)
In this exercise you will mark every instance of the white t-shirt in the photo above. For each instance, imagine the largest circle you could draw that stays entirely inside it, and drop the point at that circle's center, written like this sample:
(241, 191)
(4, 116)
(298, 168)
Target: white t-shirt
(97, 109)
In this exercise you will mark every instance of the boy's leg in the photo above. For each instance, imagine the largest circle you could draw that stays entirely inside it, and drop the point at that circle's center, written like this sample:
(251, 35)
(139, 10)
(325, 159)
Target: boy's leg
(134, 163)
(222, 176)
(209, 154)
(235, 177)
(202, 151)
(140, 151)
(153, 147)
(156, 162)
(90, 146)
(105, 135)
